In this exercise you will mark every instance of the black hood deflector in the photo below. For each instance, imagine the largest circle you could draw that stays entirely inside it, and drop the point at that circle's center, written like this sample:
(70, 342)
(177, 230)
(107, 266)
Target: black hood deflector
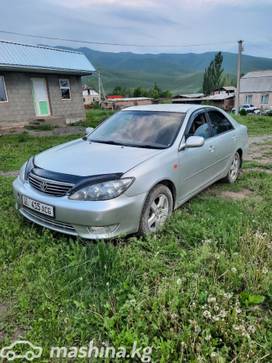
(78, 181)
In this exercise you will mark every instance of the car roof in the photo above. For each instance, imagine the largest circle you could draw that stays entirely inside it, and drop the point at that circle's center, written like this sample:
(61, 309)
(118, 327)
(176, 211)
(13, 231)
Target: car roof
(165, 107)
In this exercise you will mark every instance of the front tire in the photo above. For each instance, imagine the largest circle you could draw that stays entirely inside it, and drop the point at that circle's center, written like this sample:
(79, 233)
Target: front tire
(157, 208)
(234, 170)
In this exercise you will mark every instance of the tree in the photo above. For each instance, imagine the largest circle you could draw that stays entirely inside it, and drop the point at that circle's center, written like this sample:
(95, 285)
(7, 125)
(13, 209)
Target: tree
(119, 91)
(213, 75)
(155, 91)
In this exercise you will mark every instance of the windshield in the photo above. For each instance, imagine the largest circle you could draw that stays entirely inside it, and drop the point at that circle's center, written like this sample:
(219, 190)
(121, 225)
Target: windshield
(151, 129)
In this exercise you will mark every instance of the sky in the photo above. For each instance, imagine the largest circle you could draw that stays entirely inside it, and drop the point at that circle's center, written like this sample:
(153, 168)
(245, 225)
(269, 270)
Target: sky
(162, 26)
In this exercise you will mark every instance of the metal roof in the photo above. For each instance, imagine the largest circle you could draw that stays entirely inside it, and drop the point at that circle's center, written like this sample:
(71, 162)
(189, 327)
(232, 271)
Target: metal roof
(259, 81)
(189, 95)
(23, 57)
(129, 99)
(216, 97)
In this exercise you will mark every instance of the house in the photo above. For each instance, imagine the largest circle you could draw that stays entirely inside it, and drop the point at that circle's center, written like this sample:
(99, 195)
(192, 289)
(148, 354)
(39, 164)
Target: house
(256, 89)
(38, 82)
(230, 90)
(89, 96)
(222, 100)
(188, 96)
(122, 102)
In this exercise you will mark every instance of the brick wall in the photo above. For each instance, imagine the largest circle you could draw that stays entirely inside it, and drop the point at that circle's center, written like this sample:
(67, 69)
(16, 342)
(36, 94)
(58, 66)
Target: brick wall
(20, 107)
(71, 110)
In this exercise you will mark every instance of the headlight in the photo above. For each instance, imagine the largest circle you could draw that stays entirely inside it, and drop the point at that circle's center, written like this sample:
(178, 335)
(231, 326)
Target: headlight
(26, 168)
(103, 191)
(22, 173)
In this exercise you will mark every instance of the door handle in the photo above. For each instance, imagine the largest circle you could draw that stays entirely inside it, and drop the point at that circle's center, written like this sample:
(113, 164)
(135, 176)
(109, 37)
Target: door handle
(211, 148)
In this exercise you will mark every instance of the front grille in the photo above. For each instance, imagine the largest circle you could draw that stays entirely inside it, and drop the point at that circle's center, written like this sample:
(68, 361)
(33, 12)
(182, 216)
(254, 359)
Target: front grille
(47, 221)
(51, 187)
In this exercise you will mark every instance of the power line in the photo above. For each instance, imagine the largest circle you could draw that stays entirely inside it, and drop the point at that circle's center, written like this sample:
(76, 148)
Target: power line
(115, 44)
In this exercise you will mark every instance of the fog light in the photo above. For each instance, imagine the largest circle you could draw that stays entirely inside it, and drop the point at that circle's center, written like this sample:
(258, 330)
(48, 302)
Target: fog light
(103, 231)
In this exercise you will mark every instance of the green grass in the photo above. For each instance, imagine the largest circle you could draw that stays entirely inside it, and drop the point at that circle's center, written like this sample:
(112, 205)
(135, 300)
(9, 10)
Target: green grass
(199, 291)
(257, 125)
(40, 127)
(16, 149)
(199, 288)
(95, 116)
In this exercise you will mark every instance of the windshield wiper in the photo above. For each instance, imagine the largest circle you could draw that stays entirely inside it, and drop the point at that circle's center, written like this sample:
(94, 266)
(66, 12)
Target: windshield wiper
(146, 146)
(109, 142)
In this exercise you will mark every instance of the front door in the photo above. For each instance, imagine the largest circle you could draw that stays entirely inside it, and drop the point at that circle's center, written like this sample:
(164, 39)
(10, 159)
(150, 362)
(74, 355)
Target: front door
(196, 165)
(40, 97)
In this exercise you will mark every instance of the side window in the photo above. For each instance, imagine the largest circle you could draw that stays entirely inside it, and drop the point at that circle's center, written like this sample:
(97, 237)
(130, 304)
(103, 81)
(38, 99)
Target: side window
(219, 123)
(200, 127)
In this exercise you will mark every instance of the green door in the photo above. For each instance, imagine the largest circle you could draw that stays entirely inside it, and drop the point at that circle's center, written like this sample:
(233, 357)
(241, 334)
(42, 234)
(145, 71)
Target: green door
(40, 97)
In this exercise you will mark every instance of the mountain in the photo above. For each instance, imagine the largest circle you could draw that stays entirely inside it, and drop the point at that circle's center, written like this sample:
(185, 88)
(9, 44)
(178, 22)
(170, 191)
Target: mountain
(176, 72)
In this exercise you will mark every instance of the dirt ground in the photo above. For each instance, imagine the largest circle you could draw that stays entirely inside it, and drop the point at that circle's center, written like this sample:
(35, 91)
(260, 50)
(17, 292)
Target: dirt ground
(260, 150)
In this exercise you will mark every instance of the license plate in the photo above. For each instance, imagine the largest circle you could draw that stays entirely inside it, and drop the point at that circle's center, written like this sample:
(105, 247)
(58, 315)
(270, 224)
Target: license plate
(46, 209)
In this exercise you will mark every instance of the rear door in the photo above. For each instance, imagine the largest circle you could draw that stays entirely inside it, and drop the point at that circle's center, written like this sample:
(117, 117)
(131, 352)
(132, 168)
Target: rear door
(197, 165)
(223, 138)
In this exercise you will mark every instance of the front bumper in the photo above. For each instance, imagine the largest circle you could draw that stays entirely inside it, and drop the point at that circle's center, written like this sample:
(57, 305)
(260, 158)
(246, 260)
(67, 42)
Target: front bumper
(121, 215)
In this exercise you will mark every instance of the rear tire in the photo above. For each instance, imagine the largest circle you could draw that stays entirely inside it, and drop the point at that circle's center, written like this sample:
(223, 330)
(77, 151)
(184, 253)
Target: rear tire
(234, 170)
(157, 208)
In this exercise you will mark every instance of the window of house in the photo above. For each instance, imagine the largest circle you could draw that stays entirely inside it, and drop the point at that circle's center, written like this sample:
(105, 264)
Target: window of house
(219, 122)
(264, 99)
(3, 91)
(65, 89)
(248, 99)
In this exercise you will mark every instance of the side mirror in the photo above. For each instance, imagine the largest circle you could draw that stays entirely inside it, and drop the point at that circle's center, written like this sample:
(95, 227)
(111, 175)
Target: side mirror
(192, 141)
(195, 141)
(88, 130)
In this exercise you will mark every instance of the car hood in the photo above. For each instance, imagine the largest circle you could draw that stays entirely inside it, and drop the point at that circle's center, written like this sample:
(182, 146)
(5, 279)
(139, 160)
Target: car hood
(86, 158)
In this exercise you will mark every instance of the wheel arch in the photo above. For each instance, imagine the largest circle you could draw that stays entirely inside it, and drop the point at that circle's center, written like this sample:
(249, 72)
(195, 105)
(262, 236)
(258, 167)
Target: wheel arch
(170, 185)
(240, 152)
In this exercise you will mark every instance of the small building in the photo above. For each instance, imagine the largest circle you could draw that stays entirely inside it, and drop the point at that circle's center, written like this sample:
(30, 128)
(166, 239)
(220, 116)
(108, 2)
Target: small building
(122, 102)
(222, 100)
(90, 96)
(256, 89)
(38, 82)
(230, 90)
(188, 96)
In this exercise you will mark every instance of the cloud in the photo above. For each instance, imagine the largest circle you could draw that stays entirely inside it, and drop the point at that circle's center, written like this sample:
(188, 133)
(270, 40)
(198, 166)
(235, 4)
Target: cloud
(148, 22)
(100, 3)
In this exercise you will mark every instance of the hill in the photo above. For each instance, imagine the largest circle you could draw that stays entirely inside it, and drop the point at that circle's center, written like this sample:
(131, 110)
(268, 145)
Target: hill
(176, 72)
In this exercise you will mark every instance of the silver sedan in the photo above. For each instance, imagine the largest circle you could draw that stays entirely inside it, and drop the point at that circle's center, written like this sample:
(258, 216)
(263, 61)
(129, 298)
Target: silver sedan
(130, 173)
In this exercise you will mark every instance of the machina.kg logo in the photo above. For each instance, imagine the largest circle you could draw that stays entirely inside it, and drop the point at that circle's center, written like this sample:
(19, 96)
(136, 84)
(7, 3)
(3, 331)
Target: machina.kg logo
(21, 349)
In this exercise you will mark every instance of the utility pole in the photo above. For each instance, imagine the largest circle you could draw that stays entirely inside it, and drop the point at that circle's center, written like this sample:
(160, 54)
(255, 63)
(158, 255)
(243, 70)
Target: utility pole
(237, 98)
(100, 88)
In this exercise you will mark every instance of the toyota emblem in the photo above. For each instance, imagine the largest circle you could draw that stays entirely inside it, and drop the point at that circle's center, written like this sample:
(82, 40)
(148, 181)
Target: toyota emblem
(43, 186)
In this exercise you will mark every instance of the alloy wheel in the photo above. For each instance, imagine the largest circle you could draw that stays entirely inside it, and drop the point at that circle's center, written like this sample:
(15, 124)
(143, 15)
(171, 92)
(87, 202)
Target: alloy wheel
(158, 212)
(235, 167)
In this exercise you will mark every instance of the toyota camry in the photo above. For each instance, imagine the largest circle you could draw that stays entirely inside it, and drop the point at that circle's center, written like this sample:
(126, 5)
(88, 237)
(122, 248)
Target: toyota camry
(130, 173)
